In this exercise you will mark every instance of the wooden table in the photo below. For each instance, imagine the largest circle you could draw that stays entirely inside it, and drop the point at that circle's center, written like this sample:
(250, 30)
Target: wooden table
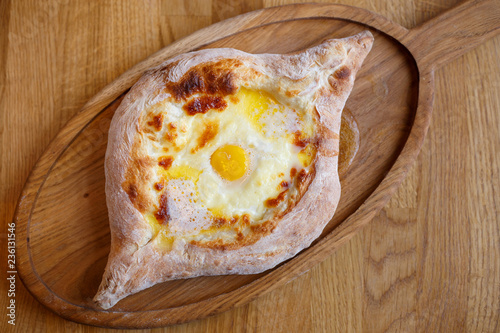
(429, 262)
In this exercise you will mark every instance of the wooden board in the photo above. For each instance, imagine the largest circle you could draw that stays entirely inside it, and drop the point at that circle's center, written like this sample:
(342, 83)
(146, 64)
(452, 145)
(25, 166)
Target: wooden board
(64, 237)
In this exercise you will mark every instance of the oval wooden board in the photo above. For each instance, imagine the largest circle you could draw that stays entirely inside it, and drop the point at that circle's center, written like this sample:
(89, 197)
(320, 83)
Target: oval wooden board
(63, 233)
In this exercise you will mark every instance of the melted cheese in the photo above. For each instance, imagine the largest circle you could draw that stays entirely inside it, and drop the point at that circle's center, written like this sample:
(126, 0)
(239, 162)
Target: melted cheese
(255, 134)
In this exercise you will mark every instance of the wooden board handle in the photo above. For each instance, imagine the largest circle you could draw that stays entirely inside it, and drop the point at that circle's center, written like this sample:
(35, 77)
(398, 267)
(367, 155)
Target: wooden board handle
(454, 32)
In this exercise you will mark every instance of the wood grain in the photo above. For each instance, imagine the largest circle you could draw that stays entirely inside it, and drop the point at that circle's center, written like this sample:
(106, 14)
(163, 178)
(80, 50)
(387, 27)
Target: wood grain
(429, 262)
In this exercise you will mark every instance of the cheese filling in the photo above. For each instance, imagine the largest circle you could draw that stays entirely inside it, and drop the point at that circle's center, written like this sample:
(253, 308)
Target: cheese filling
(220, 169)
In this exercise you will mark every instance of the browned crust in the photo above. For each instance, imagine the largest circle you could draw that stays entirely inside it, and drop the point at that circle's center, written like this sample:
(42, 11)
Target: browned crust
(203, 104)
(165, 162)
(162, 214)
(135, 175)
(209, 132)
(319, 73)
(156, 122)
(214, 78)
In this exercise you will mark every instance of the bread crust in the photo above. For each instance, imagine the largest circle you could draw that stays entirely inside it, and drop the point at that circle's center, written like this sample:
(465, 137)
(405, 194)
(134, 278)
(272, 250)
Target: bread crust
(322, 75)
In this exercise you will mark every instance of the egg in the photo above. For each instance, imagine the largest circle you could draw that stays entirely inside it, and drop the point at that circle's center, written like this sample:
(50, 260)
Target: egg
(224, 167)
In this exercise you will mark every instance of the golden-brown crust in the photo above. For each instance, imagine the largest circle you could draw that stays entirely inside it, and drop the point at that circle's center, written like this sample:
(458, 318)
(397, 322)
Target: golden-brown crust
(136, 175)
(319, 79)
(203, 104)
(209, 132)
(212, 78)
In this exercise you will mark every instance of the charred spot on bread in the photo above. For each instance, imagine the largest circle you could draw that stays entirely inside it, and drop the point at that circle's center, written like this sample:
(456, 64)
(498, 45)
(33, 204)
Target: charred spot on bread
(135, 196)
(131, 190)
(156, 122)
(219, 222)
(137, 173)
(301, 177)
(263, 228)
(209, 132)
(274, 202)
(159, 185)
(335, 85)
(165, 162)
(162, 213)
(299, 140)
(245, 220)
(342, 73)
(207, 78)
(171, 134)
(203, 104)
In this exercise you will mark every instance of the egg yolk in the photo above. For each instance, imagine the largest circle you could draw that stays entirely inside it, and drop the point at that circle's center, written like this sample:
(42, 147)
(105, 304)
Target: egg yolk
(230, 162)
